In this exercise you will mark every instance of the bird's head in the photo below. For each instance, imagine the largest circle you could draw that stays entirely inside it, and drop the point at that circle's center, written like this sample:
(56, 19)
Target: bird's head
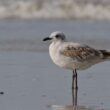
(55, 36)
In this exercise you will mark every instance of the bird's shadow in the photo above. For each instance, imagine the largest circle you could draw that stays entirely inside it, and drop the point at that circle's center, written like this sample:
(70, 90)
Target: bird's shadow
(70, 107)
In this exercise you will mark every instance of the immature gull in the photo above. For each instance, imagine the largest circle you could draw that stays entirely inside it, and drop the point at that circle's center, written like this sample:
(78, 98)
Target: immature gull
(74, 56)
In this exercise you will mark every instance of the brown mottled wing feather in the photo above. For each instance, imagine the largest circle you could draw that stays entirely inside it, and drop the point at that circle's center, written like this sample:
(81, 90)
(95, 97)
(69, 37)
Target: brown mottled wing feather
(81, 53)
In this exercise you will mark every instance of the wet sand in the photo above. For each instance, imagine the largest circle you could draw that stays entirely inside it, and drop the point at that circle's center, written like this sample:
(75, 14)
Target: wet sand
(30, 81)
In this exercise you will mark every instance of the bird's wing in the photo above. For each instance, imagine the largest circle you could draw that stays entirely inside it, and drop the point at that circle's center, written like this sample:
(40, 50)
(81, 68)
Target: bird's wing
(80, 52)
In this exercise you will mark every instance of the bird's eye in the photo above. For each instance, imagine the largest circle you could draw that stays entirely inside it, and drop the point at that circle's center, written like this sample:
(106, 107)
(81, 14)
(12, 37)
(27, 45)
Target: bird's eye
(57, 36)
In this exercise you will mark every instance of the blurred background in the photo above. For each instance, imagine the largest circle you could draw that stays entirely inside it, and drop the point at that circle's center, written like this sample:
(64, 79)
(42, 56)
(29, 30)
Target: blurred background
(28, 78)
(23, 23)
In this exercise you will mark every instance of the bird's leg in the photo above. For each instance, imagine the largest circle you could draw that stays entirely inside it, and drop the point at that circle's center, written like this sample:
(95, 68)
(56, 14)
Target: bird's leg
(74, 88)
(75, 81)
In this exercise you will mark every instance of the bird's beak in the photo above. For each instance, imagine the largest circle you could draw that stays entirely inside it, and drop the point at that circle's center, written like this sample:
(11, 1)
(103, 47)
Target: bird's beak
(47, 38)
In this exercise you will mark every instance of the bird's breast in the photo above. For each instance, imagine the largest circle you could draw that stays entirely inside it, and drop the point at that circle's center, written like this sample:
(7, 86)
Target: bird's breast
(55, 55)
(60, 60)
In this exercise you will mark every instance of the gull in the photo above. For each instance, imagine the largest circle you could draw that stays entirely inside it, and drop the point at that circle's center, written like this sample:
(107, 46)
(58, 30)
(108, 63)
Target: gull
(74, 56)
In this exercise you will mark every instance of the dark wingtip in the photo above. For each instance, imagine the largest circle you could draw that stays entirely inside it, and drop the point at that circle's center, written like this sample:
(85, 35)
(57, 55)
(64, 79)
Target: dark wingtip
(105, 53)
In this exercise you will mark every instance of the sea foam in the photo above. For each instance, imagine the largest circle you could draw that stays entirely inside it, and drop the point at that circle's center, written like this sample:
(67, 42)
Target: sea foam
(57, 9)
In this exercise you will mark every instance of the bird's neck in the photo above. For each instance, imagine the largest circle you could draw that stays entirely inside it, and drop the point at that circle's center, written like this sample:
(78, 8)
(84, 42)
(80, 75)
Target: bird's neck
(57, 42)
(55, 45)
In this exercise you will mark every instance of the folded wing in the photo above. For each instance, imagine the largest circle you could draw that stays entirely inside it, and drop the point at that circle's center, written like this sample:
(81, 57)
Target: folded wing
(80, 52)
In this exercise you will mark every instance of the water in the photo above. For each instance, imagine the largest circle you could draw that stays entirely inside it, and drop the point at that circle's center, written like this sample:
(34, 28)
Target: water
(20, 35)
(31, 81)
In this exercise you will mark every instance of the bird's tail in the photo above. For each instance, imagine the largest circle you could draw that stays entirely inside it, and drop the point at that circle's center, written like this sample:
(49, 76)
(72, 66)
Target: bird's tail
(106, 54)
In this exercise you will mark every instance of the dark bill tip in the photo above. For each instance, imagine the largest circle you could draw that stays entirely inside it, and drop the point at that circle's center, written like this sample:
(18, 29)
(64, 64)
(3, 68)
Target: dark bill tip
(47, 38)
